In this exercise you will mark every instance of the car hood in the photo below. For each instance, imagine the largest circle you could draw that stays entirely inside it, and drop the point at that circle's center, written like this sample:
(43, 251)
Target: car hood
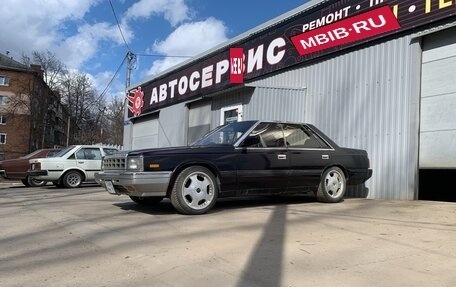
(182, 150)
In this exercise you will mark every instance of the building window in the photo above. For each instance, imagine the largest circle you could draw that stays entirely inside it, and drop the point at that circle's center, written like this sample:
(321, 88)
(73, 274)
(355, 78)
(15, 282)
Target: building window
(2, 156)
(2, 138)
(3, 100)
(4, 81)
(2, 120)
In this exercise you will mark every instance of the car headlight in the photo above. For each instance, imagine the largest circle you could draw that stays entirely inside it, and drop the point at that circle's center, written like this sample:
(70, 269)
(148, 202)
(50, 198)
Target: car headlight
(135, 163)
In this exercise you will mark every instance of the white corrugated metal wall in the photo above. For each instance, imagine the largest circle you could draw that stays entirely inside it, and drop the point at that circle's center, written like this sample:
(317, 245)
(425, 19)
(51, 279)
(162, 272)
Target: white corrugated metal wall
(368, 99)
(263, 103)
(282, 104)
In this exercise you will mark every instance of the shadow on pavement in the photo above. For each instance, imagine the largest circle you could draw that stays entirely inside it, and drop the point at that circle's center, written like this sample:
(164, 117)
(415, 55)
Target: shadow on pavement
(165, 206)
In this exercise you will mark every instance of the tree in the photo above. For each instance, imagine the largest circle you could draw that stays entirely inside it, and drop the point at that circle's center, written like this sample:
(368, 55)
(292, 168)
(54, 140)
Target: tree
(84, 107)
(53, 68)
(115, 120)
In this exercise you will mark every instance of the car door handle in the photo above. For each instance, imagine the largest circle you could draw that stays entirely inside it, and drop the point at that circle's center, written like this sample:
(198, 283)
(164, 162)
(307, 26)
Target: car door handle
(81, 162)
(325, 156)
(282, 156)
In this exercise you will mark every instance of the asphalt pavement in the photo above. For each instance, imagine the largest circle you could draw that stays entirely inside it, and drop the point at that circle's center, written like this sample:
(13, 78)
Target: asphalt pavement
(86, 237)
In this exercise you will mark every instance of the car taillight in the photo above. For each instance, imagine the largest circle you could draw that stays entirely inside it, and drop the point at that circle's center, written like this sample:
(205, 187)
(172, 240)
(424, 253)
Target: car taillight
(36, 166)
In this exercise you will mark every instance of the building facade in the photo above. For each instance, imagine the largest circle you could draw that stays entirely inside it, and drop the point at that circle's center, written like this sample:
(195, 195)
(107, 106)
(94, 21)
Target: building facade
(375, 75)
(31, 115)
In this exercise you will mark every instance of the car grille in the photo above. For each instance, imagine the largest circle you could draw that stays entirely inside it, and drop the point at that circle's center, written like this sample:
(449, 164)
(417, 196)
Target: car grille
(114, 163)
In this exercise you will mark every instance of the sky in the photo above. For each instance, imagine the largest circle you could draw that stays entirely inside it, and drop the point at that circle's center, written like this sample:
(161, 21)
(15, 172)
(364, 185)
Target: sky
(85, 36)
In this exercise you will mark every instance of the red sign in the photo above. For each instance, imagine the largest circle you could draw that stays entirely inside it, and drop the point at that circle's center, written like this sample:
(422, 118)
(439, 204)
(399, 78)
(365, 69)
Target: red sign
(362, 26)
(271, 50)
(136, 102)
(236, 65)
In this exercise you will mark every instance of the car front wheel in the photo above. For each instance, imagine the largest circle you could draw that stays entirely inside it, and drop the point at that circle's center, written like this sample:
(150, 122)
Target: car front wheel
(72, 179)
(332, 186)
(195, 191)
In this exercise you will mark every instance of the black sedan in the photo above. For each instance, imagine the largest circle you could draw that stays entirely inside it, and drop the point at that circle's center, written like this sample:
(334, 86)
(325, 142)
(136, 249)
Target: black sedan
(238, 159)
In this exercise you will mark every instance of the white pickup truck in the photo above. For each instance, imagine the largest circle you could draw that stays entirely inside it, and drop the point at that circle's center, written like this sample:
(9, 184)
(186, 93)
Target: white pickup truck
(70, 167)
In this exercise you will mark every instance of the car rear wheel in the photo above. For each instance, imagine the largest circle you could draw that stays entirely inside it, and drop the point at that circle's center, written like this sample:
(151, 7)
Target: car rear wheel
(72, 179)
(195, 191)
(332, 186)
(25, 182)
(35, 182)
(146, 200)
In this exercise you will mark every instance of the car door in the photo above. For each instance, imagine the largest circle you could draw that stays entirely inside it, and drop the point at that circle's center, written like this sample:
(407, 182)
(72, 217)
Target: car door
(89, 159)
(309, 155)
(262, 161)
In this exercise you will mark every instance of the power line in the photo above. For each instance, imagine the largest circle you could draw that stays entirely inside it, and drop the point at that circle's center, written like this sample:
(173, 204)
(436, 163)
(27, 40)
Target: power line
(118, 25)
(113, 77)
(163, 56)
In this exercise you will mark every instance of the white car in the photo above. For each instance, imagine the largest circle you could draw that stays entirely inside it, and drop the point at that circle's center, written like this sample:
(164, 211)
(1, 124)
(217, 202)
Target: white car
(71, 166)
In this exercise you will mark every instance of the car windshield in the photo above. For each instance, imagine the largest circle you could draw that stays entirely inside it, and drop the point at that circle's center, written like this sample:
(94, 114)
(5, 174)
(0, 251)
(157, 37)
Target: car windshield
(225, 135)
(64, 151)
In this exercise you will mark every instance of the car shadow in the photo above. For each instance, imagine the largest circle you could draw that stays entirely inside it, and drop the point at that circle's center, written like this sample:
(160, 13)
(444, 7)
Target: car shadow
(164, 207)
(88, 184)
(51, 186)
(223, 204)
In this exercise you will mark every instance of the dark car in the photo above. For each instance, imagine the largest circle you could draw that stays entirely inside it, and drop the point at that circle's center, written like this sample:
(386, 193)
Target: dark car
(238, 159)
(17, 168)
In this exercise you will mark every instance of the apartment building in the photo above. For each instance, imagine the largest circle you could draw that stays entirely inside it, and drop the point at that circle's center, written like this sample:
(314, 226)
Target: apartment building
(31, 114)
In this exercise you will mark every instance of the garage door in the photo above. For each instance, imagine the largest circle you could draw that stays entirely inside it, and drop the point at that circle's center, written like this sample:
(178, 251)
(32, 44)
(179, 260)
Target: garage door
(199, 120)
(145, 133)
(438, 101)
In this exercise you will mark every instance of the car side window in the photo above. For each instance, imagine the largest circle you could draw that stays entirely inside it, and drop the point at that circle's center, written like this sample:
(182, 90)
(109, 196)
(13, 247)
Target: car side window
(297, 137)
(265, 135)
(89, 154)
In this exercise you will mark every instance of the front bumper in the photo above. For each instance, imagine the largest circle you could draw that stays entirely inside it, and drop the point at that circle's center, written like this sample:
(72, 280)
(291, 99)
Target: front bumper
(140, 184)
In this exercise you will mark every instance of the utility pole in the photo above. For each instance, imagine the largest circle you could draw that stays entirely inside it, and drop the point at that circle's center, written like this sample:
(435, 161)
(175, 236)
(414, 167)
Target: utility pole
(131, 58)
(68, 131)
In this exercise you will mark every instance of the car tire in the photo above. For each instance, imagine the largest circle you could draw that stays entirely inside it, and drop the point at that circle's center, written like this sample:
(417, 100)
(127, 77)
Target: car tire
(332, 186)
(25, 182)
(35, 182)
(58, 183)
(72, 179)
(195, 191)
(146, 200)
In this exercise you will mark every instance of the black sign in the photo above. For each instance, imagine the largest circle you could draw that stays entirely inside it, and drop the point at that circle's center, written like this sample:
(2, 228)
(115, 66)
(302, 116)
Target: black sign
(271, 50)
